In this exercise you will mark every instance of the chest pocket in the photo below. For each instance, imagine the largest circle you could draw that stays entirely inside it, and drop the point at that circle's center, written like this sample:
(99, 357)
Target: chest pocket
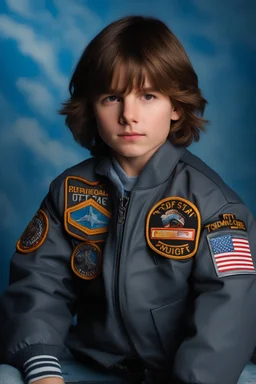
(87, 209)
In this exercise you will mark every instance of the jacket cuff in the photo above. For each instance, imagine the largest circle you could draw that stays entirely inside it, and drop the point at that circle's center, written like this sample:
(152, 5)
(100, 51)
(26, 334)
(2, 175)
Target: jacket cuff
(40, 367)
(20, 358)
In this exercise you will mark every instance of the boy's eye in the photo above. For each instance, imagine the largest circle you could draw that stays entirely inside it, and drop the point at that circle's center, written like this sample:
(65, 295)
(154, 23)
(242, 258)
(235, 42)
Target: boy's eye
(111, 98)
(148, 96)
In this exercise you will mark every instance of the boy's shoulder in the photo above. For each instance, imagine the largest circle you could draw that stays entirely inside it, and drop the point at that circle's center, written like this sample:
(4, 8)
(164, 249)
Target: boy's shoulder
(80, 175)
(84, 169)
(205, 179)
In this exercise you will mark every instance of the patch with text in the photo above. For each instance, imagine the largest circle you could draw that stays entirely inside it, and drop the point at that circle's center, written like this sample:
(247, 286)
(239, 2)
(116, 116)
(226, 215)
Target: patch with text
(86, 261)
(87, 209)
(173, 228)
(35, 233)
(226, 220)
(231, 253)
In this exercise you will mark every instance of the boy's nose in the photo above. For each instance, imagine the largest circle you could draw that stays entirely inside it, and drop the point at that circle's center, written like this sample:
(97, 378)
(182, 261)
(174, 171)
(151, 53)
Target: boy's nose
(129, 112)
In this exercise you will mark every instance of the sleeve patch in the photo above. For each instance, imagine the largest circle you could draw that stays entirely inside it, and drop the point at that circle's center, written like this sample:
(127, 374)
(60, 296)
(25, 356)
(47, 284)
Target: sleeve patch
(231, 253)
(226, 221)
(35, 233)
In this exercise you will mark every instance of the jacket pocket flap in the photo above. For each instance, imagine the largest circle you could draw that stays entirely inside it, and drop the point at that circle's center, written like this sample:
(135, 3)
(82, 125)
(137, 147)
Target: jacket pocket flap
(168, 321)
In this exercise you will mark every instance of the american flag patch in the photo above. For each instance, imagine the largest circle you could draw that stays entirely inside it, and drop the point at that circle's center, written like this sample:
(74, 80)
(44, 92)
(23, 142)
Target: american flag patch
(231, 254)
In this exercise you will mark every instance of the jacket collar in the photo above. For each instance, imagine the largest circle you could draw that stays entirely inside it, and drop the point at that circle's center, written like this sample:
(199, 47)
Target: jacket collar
(157, 169)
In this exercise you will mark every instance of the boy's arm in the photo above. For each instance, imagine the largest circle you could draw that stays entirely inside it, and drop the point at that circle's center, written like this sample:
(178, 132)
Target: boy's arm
(37, 308)
(221, 332)
(49, 380)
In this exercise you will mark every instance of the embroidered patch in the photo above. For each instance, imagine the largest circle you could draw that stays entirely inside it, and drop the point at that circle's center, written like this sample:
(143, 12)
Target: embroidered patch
(86, 261)
(35, 233)
(227, 220)
(173, 228)
(87, 209)
(89, 217)
(231, 253)
(79, 190)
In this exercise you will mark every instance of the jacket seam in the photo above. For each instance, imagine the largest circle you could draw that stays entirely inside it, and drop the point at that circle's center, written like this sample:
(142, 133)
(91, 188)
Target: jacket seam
(203, 173)
(225, 205)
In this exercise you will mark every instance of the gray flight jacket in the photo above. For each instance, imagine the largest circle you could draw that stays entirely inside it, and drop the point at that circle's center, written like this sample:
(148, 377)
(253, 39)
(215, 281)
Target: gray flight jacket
(166, 275)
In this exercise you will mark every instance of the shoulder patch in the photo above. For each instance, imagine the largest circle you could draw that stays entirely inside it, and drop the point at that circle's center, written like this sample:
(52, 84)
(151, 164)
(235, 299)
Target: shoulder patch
(226, 220)
(35, 233)
(86, 261)
(173, 228)
(231, 254)
(87, 209)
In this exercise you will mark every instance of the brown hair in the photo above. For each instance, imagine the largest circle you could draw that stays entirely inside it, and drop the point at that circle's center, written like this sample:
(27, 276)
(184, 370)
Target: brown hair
(145, 46)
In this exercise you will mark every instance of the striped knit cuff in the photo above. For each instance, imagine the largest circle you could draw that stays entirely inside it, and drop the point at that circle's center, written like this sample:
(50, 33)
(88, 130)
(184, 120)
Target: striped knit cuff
(40, 367)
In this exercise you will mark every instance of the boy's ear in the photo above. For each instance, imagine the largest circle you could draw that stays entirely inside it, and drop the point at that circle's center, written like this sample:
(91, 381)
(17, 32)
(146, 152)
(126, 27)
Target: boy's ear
(175, 114)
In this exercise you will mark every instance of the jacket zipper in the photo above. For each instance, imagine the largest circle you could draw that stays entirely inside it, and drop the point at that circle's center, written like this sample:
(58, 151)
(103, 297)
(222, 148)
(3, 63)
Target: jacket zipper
(122, 210)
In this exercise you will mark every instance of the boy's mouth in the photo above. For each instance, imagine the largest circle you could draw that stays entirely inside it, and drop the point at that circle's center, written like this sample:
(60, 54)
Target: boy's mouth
(131, 134)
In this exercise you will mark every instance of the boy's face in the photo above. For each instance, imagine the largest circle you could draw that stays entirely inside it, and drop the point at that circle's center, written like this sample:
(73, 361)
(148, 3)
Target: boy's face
(134, 126)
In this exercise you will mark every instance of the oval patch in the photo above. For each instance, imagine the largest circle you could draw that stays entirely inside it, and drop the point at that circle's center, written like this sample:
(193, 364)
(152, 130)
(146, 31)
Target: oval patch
(86, 261)
(35, 233)
(173, 228)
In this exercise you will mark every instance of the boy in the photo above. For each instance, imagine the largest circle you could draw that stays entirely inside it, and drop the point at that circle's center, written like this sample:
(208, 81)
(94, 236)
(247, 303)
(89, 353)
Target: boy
(144, 242)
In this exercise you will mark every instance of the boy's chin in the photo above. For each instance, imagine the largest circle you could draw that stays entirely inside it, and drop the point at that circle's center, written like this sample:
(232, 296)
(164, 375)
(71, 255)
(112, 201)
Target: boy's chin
(129, 153)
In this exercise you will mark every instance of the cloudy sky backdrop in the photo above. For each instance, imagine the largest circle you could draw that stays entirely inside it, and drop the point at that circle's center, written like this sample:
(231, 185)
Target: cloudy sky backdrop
(40, 43)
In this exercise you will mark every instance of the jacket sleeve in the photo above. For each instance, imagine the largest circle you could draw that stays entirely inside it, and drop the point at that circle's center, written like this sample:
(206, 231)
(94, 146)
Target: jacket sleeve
(222, 326)
(37, 308)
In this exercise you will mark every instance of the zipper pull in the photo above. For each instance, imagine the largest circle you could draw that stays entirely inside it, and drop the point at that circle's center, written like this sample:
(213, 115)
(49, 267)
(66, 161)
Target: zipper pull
(122, 209)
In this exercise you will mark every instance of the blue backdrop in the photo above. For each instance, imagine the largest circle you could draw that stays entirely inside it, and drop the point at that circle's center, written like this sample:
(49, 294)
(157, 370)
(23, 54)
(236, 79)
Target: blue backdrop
(41, 42)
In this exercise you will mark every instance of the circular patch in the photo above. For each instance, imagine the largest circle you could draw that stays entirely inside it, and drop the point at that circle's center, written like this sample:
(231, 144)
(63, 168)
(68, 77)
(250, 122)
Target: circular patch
(173, 228)
(86, 261)
(35, 233)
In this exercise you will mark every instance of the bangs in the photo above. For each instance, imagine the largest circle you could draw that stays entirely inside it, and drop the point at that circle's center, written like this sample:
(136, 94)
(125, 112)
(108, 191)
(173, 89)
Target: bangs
(125, 76)
(122, 75)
